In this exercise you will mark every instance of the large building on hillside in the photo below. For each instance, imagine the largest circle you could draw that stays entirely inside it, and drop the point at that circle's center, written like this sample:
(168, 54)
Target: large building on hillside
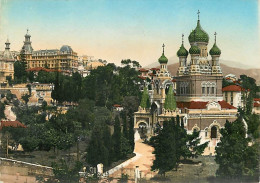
(64, 59)
(6, 64)
(198, 98)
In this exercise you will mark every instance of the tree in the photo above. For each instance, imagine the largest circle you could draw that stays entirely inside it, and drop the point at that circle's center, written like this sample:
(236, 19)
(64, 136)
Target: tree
(170, 102)
(117, 137)
(173, 144)
(235, 157)
(2, 109)
(64, 173)
(25, 98)
(96, 150)
(145, 102)
(165, 149)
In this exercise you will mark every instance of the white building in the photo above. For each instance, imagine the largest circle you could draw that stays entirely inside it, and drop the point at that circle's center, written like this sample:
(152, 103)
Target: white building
(232, 94)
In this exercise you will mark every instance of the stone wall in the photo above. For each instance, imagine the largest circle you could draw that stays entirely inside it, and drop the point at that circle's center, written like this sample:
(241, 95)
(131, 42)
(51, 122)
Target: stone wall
(9, 166)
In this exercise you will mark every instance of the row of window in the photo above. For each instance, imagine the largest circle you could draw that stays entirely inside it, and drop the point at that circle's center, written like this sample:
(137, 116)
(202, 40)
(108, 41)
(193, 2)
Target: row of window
(208, 90)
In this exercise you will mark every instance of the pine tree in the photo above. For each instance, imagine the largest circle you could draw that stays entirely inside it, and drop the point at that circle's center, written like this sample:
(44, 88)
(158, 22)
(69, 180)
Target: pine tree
(165, 149)
(170, 102)
(235, 157)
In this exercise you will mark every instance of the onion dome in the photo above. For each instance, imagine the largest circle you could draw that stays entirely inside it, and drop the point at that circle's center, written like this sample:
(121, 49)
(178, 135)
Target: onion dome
(182, 52)
(198, 35)
(215, 50)
(194, 50)
(163, 59)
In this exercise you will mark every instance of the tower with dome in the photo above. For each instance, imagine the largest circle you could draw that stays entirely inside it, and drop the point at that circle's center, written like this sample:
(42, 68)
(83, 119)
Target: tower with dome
(194, 93)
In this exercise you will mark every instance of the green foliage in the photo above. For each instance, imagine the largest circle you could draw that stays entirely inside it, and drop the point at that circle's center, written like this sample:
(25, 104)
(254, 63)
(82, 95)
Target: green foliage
(170, 102)
(96, 150)
(145, 102)
(253, 122)
(20, 75)
(235, 157)
(2, 109)
(117, 137)
(165, 149)
(25, 98)
(172, 144)
(64, 173)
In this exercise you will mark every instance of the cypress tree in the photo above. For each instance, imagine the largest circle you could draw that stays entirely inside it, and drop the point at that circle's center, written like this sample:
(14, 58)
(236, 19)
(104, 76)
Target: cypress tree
(170, 102)
(117, 138)
(164, 149)
(131, 133)
(145, 101)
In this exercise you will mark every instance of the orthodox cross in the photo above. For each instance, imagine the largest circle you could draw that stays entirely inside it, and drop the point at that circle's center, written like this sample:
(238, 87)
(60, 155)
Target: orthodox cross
(163, 47)
(27, 30)
(198, 14)
(182, 37)
(215, 37)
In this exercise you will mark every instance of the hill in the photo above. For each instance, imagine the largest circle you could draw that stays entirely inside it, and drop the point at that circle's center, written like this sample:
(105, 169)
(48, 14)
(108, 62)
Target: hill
(254, 73)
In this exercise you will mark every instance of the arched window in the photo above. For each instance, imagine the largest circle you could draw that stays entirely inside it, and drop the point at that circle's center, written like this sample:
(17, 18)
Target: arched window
(213, 132)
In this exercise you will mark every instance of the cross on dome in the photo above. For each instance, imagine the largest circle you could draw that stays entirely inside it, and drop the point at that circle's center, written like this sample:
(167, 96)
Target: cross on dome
(215, 37)
(163, 47)
(198, 14)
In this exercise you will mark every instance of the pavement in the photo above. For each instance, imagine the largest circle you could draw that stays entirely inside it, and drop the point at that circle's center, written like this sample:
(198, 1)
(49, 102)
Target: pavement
(144, 159)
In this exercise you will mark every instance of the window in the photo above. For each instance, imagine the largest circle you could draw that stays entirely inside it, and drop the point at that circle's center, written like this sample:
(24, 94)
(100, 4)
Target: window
(203, 90)
(213, 132)
(212, 90)
(208, 92)
(226, 97)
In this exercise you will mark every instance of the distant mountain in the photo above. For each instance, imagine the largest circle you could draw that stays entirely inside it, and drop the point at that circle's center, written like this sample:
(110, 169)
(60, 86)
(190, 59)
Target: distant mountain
(173, 60)
(254, 73)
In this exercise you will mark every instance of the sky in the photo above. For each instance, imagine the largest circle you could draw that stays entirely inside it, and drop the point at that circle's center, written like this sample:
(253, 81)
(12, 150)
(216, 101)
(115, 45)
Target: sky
(136, 29)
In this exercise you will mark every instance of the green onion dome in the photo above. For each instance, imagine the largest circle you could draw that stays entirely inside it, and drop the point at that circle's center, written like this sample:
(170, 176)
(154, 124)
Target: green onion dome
(182, 52)
(198, 35)
(215, 50)
(163, 59)
(194, 50)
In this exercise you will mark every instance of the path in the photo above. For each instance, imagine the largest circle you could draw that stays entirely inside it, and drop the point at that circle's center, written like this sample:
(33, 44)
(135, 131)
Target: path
(144, 159)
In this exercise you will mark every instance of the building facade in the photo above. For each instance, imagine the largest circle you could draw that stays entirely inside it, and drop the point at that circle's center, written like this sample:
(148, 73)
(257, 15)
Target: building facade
(195, 94)
(233, 94)
(6, 64)
(64, 59)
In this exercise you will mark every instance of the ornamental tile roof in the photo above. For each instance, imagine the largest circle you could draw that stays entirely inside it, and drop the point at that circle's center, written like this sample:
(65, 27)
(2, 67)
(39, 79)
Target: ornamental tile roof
(256, 99)
(155, 69)
(143, 70)
(141, 77)
(14, 124)
(233, 88)
(117, 105)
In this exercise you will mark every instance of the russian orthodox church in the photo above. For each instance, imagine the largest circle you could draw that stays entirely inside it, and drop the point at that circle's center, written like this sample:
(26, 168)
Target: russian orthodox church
(195, 93)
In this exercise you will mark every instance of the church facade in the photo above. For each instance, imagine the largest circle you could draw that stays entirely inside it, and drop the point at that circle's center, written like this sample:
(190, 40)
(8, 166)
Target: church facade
(195, 93)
